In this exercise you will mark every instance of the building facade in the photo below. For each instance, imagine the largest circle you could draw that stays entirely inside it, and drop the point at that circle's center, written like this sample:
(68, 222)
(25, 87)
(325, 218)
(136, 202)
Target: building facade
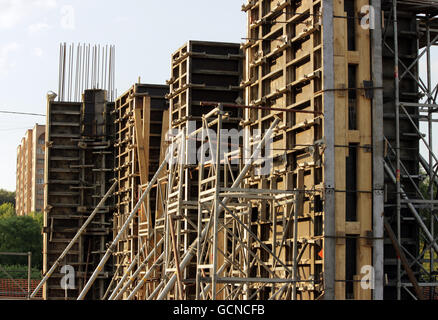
(30, 172)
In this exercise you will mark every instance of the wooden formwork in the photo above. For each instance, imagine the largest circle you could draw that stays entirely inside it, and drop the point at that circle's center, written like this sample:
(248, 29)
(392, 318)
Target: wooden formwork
(139, 116)
(285, 69)
(79, 162)
(204, 71)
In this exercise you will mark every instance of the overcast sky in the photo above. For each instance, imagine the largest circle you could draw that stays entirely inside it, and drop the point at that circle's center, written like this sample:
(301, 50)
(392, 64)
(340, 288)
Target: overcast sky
(144, 32)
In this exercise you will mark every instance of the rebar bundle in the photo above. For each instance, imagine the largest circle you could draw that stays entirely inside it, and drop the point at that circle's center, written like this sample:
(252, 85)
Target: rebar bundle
(85, 67)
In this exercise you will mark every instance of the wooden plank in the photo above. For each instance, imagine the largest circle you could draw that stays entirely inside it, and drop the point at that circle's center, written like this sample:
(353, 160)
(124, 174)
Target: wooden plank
(364, 157)
(163, 149)
(146, 133)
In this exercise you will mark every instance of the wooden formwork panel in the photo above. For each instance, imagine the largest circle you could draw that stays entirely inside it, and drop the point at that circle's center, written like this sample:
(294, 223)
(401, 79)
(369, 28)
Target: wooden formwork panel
(138, 132)
(201, 71)
(63, 125)
(204, 71)
(77, 175)
(284, 69)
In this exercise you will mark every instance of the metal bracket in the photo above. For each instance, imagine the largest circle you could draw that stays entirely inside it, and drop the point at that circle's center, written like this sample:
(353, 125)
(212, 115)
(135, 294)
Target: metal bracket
(369, 89)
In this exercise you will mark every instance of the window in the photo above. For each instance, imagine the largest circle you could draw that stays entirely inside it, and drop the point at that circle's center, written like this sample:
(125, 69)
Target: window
(40, 191)
(40, 161)
(40, 171)
(40, 151)
(41, 141)
(40, 181)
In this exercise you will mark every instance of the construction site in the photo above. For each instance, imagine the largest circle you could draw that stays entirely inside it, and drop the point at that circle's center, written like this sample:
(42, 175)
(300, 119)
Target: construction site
(296, 165)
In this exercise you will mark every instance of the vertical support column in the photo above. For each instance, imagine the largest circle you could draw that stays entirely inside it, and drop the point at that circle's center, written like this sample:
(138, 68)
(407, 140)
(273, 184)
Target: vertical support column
(364, 154)
(29, 271)
(378, 151)
(430, 141)
(397, 140)
(329, 153)
(340, 82)
(216, 204)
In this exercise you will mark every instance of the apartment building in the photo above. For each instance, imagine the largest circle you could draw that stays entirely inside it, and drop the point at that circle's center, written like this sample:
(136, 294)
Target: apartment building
(30, 171)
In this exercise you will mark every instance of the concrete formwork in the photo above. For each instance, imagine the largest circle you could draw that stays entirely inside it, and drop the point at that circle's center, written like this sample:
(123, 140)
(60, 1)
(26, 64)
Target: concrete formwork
(79, 168)
(139, 116)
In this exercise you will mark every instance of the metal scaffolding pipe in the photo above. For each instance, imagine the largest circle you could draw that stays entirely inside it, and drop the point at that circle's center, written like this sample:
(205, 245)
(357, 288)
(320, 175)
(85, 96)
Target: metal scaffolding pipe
(397, 137)
(131, 266)
(134, 276)
(146, 276)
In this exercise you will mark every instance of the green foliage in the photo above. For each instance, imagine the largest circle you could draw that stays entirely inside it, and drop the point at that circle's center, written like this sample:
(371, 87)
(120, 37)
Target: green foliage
(425, 213)
(7, 210)
(38, 217)
(7, 196)
(424, 189)
(21, 234)
(19, 272)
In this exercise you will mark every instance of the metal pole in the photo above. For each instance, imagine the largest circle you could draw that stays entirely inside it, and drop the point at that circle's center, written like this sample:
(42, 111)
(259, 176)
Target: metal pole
(378, 171)
(75, 238)
(216, 203)
(146, 276)
(295, 252)
(113, 245)
(59, 72)
(397, 140)
(125, 287)
(127, 272)
(29, 271)
(430, 118)
(176, 254)
(199, 226)
(108, 290)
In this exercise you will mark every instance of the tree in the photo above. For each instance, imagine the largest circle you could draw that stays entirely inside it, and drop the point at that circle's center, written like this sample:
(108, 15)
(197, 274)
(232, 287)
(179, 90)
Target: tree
(7, 210)
(38, 217)
(7, 196)
(21, 234)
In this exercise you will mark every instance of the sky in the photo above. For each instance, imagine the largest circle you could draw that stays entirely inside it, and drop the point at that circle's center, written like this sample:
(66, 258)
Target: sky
(144, 32)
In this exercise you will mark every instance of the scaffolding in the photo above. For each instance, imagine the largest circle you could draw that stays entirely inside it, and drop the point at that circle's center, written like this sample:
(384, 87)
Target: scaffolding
(409, 35)
(333, 112)
(141, 118)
